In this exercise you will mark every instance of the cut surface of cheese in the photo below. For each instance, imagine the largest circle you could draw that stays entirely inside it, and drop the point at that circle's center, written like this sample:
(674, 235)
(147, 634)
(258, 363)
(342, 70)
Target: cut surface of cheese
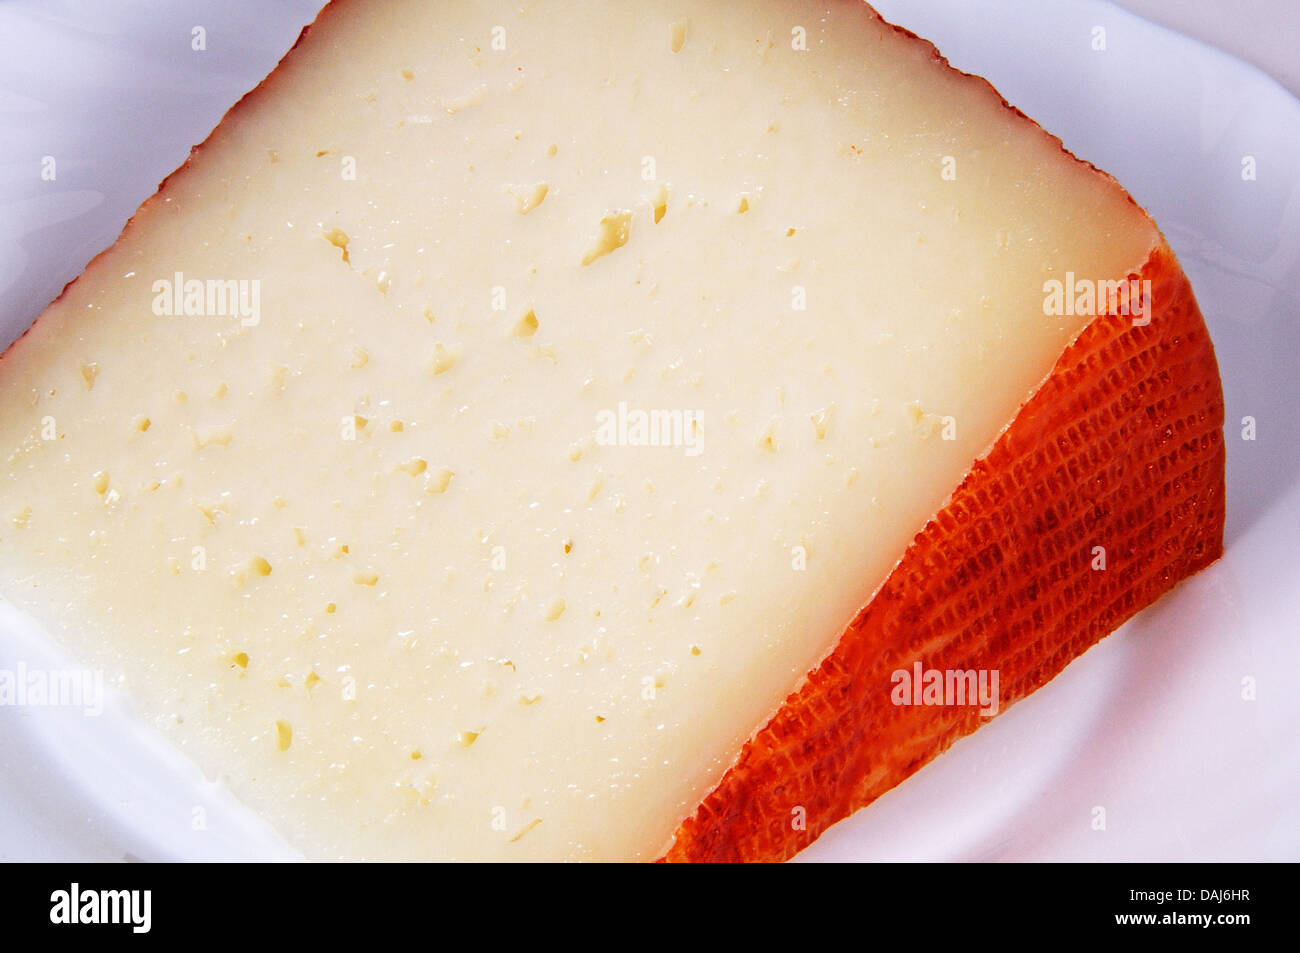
(472, 448)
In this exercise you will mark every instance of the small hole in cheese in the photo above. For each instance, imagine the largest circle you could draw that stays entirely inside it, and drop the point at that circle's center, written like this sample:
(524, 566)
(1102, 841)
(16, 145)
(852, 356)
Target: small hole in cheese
(526, 326)
(339, 239)
(615, 228)
(444, 359)
(660, 203)
(678, 35)
(438, 481)
(528, 197)
(821, 421)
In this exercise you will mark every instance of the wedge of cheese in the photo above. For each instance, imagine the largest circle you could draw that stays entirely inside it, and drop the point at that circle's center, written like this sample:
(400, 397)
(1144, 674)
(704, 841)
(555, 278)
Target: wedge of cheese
(562, 430)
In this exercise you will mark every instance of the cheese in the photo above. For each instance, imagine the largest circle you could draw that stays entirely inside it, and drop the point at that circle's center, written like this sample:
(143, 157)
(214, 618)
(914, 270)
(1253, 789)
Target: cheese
(473, 445)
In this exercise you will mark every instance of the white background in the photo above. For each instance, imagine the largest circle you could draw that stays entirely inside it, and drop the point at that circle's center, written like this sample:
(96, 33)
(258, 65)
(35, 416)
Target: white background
(1263, 32)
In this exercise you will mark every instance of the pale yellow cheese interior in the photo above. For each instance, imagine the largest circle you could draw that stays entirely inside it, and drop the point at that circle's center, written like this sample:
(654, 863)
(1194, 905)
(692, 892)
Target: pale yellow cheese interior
(478, 630)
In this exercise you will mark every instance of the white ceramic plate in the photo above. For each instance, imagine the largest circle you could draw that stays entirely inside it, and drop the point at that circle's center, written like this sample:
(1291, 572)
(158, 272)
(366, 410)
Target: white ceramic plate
(1151, 725)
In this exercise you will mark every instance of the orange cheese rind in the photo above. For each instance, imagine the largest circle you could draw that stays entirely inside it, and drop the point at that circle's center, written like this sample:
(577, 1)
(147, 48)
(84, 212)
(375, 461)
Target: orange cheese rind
(1120, 448)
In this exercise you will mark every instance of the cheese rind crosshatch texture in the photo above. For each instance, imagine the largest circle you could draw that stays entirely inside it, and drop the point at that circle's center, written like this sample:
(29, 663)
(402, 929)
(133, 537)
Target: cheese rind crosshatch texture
(352, 531)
